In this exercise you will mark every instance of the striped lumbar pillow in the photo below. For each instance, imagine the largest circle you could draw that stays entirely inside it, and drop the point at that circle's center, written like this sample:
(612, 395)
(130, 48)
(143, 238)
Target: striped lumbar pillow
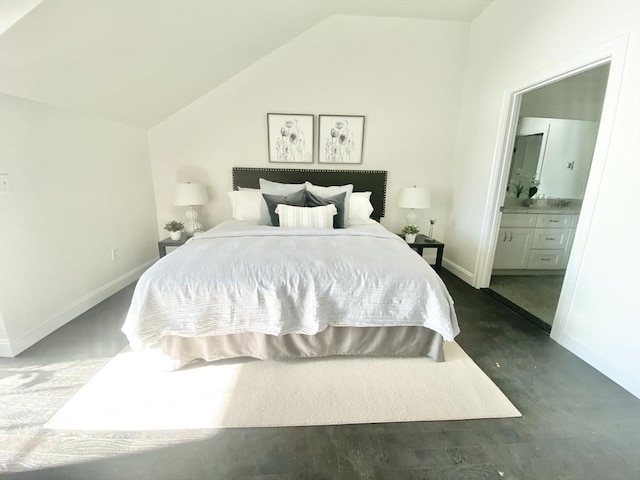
(307, 217)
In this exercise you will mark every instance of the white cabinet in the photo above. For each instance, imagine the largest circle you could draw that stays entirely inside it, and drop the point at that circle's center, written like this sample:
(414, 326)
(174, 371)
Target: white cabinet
(545, 259)
(518, 220)
(530, 241)
(551, 238)
(553, 220)
(513, 248)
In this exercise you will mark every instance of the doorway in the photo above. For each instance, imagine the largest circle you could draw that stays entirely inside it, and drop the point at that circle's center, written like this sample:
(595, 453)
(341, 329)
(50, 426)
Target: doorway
(556, 132)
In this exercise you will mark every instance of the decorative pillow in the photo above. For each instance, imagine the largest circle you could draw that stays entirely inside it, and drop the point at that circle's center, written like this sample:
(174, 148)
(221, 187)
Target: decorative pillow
(245, 205)
(275, 188)
(337, 200)
(326, 192)
(297, 199)
(360, 209)
(307, 217)
(264, 219)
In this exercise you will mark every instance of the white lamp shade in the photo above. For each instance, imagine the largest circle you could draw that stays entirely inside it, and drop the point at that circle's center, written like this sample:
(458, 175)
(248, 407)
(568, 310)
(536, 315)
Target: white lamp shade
(414, 197)
(190, 194)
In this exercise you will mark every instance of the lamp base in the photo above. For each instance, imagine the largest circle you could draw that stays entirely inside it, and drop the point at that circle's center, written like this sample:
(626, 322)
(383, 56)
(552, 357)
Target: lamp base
(411, 217)
(192, 226)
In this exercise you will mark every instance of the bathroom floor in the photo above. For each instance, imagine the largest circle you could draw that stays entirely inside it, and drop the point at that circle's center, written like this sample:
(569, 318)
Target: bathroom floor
(536, 294)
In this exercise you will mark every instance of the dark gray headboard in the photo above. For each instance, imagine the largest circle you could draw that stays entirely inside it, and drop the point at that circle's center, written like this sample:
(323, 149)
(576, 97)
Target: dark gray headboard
(374, 181)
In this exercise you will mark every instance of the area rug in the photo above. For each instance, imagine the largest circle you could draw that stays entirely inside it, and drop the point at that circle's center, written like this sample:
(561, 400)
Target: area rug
(132, 393)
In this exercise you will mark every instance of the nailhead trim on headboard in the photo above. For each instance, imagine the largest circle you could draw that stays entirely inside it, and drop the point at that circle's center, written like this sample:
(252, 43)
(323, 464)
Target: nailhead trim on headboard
(374, 181)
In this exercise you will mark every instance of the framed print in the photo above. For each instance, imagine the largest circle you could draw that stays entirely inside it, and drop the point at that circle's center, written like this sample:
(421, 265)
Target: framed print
(290, 137)
(341, 139)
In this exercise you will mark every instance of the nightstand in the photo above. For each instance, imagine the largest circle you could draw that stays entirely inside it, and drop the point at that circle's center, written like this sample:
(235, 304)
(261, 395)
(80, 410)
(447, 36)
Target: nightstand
(422, 242)
(167, 242)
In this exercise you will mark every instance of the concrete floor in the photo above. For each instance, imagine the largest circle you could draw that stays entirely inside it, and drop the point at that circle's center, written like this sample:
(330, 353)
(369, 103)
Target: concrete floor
(536, 294)
(576, 423)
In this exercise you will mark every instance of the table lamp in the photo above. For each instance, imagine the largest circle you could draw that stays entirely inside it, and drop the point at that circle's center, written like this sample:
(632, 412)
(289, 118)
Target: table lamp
(191, 195)
(414, 198)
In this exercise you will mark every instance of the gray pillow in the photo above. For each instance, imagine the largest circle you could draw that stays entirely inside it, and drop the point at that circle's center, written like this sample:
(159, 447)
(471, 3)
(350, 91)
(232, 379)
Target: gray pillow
(274, 188)
(297, 199)
(326, 192)
(337, 200)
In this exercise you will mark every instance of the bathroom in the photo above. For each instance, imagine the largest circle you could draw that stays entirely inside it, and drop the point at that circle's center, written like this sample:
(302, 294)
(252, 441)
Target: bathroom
(553, 148)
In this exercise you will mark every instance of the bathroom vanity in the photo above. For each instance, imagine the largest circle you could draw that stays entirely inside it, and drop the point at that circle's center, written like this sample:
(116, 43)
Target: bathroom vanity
(557, 153)
(535, 238)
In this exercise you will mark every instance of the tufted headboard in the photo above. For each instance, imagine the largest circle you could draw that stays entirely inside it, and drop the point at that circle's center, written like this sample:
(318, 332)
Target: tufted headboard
(374, 181)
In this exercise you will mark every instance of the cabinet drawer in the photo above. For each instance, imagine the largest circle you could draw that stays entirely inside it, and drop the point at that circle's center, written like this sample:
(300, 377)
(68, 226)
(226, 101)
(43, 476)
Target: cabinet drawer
(551, 238)
(518, 220)
(541, 259)
(553, 221)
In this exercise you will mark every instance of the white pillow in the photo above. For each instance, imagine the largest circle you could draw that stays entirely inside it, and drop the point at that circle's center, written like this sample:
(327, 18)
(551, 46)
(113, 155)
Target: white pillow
(245, 205)
(326, 192)
(307, 217)
(274, 188)
(360, 209)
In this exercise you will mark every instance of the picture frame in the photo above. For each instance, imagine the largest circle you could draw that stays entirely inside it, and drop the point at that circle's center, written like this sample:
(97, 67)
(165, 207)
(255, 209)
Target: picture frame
(290, 137)
(340, 139)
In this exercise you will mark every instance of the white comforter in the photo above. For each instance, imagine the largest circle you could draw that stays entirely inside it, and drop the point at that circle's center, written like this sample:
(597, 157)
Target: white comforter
(241, 277)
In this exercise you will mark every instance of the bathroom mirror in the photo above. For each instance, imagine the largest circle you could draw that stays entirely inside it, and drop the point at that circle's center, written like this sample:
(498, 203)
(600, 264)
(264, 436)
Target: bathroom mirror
(555, 151)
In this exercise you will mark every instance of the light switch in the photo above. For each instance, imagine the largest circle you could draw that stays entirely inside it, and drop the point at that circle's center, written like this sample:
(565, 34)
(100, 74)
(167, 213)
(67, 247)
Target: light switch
(5, 186)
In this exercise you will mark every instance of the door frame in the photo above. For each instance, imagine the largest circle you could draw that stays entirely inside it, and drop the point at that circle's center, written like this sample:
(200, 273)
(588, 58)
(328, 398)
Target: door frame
(612, 52)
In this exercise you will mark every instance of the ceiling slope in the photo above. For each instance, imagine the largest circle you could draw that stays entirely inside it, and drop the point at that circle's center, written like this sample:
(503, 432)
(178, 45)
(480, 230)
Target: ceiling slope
(137, 62)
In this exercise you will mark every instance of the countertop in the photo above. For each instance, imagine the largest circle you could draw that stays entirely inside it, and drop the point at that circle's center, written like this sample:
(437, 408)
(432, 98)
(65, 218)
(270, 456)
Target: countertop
(516, 205)
(550, 210)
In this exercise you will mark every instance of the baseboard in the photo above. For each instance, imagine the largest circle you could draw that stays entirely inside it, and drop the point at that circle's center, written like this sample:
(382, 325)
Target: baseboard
(621, 377)
(464, 275)
(11, 348)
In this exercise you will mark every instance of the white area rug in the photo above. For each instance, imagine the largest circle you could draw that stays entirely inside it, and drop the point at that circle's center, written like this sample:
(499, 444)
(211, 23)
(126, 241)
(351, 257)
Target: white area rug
(131, 393)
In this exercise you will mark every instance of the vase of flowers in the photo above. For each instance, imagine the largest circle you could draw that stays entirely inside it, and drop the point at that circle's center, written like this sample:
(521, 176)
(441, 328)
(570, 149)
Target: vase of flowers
(522, 182)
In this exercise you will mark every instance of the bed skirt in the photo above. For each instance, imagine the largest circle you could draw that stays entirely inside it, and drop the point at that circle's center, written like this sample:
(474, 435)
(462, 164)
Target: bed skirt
(361, 341)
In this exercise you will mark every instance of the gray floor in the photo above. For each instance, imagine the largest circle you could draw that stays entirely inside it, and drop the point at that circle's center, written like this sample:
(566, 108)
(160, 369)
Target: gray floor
(576, 423)
(537, 294)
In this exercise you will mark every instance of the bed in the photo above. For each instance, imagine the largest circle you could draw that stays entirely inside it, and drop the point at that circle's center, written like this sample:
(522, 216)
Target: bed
(247, 289)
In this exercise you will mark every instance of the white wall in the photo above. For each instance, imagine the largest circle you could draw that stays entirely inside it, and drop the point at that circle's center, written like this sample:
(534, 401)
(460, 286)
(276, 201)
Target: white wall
(514, 41)
(578, 97)
(80, 186)
(405, 76)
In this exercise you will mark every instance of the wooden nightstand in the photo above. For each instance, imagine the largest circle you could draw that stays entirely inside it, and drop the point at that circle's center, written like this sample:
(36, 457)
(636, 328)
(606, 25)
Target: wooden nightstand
(167, 242)
(422, 242)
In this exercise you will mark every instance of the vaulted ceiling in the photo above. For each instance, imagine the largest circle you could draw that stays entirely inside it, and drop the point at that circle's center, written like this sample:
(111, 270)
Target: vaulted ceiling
(137, 62)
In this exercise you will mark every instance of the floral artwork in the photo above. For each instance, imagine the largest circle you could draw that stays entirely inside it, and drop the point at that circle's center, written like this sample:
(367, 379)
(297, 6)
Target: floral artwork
(290, 138)
(341, 139)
